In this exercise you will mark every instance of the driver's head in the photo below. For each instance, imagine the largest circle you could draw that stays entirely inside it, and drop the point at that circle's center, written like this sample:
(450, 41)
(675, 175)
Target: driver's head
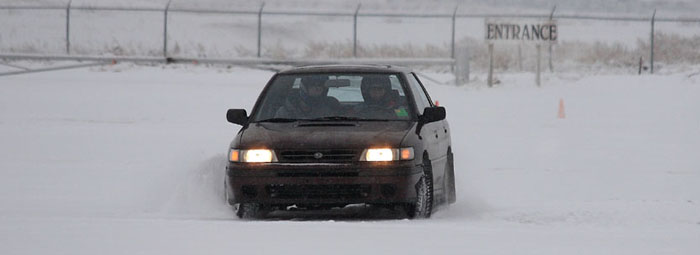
(313, 86)
(375, 88)
(377, 91)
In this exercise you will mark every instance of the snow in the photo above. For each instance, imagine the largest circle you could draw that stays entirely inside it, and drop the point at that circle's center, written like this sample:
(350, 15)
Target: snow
(129, 159)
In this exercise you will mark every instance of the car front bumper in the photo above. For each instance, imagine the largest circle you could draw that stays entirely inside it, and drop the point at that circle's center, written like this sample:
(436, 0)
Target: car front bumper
(322, 183)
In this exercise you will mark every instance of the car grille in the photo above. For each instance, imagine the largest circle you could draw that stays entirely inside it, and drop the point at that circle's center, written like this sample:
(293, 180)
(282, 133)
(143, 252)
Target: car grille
(331, 191)
(326, 156)
(317, 174)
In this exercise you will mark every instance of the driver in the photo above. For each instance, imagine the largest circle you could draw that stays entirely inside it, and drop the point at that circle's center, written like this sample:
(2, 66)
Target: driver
(312, 100)
(379, 99)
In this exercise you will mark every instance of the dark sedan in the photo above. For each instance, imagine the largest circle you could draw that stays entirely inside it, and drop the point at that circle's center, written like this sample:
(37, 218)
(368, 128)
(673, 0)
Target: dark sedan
(330, 136)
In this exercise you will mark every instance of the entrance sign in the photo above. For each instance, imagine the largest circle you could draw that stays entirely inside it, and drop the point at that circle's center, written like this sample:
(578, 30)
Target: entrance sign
(521, 32)
(545, 31)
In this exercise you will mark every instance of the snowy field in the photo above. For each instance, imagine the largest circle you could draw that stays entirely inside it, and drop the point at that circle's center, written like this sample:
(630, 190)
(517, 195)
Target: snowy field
(129, 159)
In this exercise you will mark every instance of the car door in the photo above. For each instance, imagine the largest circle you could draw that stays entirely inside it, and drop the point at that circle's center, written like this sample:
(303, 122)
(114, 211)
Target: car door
(443, 129)
(437, 134)
(429, 131)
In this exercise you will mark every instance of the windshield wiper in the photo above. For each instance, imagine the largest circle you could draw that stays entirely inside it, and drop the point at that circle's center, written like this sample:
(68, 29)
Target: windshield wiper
(336, 118)
(278, 120)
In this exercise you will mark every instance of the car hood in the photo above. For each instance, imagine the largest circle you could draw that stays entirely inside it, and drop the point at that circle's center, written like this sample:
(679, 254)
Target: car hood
(324, 135)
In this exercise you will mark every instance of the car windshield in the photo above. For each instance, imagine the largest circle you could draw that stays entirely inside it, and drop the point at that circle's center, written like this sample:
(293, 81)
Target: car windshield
(334, 97)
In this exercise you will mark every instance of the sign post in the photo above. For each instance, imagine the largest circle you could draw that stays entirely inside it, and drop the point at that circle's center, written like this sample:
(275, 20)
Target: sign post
(539, 66)
(490, 79)
(520, 58)
(551, 17)
(651, 57)
(538, 33)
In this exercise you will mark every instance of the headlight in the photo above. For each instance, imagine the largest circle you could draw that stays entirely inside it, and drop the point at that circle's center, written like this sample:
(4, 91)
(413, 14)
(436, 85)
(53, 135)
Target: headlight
(387, 154)
(252, 156)
(380, 154)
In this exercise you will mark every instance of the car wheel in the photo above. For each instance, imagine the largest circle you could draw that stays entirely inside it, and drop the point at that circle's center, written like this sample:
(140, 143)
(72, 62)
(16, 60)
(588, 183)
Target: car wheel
(249, 211)
(423, 206)
(451, 187)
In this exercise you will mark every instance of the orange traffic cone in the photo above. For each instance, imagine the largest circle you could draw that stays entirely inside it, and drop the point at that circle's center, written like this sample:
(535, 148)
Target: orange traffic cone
(562, 114)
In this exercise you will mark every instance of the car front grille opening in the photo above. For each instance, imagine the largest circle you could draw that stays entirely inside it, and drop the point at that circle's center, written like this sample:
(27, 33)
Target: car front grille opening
(329, 191)
(319, 155)
(318, 174)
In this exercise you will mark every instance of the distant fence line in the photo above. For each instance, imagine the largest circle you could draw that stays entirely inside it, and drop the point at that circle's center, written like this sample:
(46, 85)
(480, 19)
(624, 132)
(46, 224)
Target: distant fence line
(454, 15)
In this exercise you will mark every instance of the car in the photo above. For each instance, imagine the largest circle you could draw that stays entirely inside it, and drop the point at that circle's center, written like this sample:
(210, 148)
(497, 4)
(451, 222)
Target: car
(328, 136)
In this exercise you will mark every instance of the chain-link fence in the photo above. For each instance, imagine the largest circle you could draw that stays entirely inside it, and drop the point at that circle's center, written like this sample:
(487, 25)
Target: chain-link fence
(272, 36)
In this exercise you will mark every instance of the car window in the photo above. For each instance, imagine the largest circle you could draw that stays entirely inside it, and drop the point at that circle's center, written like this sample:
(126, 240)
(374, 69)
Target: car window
(369, 96)
(422, 100)
(347, 94)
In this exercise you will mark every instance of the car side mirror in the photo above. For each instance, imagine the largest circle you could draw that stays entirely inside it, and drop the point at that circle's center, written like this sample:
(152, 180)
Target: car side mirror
(432, 114)
(237, 116)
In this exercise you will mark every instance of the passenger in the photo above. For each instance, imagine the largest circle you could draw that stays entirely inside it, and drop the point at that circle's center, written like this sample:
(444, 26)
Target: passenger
(380, 101)
(311, 102)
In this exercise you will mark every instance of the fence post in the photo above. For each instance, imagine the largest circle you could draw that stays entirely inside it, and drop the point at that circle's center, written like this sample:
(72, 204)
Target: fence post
(165, 29)
(651, 57)
(354, 31)
(260, 26)
(551, 17)
(454, 18)
(68, 27)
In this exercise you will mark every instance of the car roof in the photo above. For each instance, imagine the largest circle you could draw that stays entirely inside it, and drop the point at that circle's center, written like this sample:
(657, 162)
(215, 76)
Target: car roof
(346, 68)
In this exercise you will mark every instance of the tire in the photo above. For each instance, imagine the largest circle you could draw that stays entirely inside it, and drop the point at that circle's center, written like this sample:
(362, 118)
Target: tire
(450, 173)
(249, 211)
(423, 207)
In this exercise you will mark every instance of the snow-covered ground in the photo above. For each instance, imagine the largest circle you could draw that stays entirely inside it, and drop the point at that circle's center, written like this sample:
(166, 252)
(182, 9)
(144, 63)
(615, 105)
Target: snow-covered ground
(128, 159)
